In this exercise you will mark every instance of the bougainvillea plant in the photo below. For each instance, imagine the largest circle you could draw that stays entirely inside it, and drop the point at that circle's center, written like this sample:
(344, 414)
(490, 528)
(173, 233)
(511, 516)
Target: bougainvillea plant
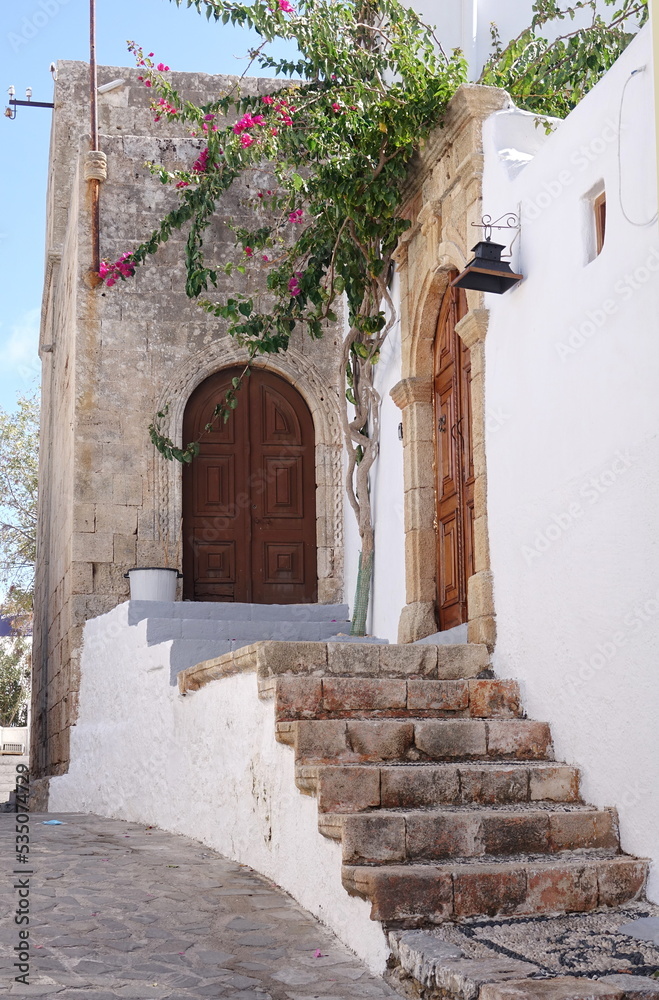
(368, 84)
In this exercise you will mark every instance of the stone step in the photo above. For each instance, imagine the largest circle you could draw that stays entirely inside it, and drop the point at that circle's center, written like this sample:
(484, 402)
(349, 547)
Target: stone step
(564, 955)
(228, 611)
(354, 787)
(416, 894)
(393, 837)
(372, 698)
(245, 632)
(359, 740)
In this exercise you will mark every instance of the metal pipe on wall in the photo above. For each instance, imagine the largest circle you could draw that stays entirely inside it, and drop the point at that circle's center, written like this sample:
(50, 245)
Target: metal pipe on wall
(95, 184)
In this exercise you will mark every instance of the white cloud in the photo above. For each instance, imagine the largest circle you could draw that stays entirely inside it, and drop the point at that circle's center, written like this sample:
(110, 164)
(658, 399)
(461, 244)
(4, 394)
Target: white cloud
(19, 346)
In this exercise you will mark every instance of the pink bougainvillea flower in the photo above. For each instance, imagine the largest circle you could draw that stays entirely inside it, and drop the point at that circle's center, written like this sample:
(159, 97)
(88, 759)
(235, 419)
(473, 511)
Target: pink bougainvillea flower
(267, 99)
(286, 6)
(183, 184)
(110, 282)
(297, 215)
(265, 259)
(294, 285)
(274, 131)
(200, 165)
(147, 83)
(104, 269)
(336, 107)
(151, 55)
(162, 68)
(209, 118)
(246, 140)
(249, 252)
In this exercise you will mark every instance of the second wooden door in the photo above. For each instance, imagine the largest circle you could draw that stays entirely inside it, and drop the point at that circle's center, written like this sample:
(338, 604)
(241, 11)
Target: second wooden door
(454, 463)
(249, 511)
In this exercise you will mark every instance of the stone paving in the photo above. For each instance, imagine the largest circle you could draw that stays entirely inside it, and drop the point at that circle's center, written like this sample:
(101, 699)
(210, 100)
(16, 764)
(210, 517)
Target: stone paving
(123, 910)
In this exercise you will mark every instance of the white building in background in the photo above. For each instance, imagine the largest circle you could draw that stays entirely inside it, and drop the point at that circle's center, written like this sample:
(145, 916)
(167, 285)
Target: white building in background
(467, 24)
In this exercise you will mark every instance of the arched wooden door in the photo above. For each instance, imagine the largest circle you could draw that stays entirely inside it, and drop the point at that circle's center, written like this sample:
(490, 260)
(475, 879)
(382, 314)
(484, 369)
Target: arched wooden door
(249, 498)
(454, 463)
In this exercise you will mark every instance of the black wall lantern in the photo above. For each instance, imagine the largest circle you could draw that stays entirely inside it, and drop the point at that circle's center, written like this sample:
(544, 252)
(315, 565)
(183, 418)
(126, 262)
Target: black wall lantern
(487, 272)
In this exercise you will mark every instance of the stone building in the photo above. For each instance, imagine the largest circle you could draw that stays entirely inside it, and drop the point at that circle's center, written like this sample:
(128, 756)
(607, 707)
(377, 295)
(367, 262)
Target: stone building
(111, 359)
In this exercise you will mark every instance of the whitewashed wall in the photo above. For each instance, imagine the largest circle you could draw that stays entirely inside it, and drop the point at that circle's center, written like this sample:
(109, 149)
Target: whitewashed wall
(466, 24)
(206, 766)
(572, 370)
(388, 590)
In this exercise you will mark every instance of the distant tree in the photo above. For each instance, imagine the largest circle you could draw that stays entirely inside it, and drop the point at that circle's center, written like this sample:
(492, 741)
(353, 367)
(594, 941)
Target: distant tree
(14, 681)
(19, 462)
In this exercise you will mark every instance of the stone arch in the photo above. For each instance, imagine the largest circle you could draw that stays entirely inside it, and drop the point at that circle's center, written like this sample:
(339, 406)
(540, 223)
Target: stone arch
(450, 257)
(322, 400)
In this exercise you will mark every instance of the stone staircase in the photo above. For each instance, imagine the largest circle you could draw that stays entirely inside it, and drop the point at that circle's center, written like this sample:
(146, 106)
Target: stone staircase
(202, 630)
(447, 802)
(8, 765)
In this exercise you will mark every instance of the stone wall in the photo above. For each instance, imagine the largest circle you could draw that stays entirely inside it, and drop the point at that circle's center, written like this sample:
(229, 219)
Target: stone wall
(111, 358)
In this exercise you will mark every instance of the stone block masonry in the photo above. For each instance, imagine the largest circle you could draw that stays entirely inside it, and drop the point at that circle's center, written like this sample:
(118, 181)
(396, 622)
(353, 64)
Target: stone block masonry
(115, 357)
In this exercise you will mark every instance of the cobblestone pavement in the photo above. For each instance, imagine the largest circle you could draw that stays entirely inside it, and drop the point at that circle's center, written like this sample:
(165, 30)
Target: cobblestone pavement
(120, 910)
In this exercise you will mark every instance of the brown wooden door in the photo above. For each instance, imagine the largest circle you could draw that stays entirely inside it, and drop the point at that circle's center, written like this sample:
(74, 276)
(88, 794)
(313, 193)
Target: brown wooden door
(249, 498)
(454, 463)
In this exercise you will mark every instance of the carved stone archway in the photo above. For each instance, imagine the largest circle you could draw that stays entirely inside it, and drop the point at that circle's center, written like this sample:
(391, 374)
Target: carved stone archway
(445, 191)
(323, 402)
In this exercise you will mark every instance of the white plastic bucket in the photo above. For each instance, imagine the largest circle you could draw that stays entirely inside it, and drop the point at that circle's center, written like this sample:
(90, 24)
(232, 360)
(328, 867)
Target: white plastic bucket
(153, 584)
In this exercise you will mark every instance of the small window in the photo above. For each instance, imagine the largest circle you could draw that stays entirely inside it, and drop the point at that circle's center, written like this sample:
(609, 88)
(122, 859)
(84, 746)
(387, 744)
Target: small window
(599, 207)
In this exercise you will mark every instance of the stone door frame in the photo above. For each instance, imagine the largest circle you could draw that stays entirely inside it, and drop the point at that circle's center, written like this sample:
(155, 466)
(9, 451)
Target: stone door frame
(445, 198)
(321, 399)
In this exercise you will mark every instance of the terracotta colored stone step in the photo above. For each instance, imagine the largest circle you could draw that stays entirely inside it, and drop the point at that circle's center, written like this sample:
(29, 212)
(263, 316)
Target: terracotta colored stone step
(415, 894)
(354, 787)
(364, 697)
(391, 837)
(361, 740)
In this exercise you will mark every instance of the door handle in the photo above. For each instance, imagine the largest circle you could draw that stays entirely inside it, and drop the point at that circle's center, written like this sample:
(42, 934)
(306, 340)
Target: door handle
(441, 425)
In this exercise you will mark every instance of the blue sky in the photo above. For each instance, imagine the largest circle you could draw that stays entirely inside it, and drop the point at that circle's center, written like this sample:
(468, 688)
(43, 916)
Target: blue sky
(34, 34)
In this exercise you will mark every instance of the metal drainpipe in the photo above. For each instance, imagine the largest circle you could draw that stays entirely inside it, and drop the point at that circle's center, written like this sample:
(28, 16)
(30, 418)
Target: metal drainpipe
(95, 183)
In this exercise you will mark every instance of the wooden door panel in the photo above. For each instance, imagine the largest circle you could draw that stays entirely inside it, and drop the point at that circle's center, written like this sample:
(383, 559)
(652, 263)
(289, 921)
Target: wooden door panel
(280, 422)
(214, 489)
(449, 464)
(284, 564)
(454, 463)
(450, 591)
(284, 490)
(249, 497)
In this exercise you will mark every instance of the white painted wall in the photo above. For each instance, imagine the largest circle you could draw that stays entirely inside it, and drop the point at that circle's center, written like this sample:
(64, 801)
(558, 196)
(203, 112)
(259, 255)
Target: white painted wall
(466, 24)
(388, 589)
(206, 766)
(388, 595)
(572, 370)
